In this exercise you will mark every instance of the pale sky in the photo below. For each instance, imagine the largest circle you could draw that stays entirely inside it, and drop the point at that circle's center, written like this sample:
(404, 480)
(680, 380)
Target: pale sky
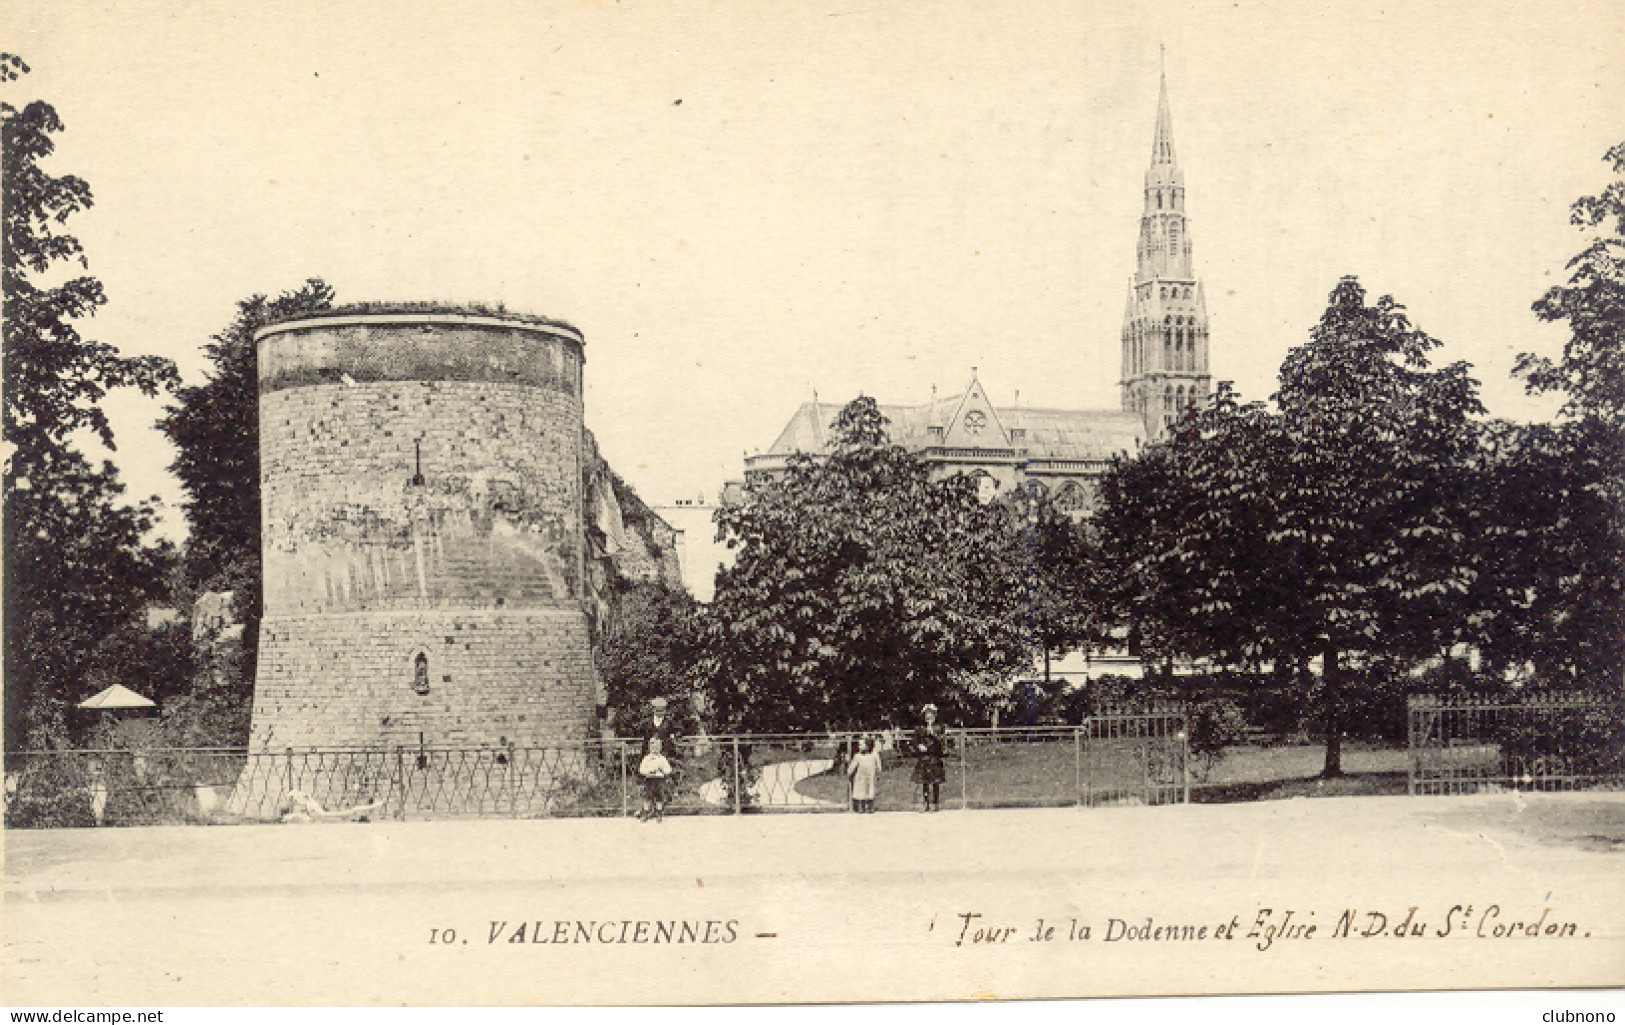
(847, 198)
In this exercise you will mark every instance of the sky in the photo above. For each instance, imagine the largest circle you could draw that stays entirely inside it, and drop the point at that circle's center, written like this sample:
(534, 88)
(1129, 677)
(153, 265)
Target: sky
(743, 204)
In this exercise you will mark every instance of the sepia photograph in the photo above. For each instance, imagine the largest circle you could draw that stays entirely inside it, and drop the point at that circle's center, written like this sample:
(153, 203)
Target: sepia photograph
(603, 504)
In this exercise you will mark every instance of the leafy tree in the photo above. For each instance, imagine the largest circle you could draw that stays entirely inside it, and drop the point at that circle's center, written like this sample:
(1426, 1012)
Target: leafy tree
(1591, 371)
(1060, 567)
(215, 428)
(1332, 527)
(1550, 553)
(1182, 525)
(862, 589)
(1562, 488)
(1373, 490)
(155, 661)
(649, 652)
(76, 568)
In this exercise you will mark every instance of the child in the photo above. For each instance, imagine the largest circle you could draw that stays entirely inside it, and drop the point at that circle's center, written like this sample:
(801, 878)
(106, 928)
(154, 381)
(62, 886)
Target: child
(864, 768)
(654, 769)
(930, 750)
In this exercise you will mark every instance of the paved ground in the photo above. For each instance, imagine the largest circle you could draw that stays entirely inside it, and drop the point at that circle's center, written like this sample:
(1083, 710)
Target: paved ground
(826, 906)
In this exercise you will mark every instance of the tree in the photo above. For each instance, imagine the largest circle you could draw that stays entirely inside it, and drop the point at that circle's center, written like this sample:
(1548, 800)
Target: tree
(650, 651)
(1557, 586)
(1591, 372)
(1373, 490)
(1550, 553)
(215, 429)
(862, 590)
(1185, 533)
(1060, 571)
(1332, 527)
(76, 567)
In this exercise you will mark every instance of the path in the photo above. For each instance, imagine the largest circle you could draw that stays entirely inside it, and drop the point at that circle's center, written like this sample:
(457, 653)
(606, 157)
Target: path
(812, 907)
(776, 787)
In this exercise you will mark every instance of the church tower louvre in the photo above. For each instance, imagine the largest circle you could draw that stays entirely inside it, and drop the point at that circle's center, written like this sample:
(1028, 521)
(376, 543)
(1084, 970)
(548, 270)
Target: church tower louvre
(1165, 330)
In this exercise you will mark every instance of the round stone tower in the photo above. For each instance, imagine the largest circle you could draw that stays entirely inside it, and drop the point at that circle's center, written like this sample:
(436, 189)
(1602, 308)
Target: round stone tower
(421, 508)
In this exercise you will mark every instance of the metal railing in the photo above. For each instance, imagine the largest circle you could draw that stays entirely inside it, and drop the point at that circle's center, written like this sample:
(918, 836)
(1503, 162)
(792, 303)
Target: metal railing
(1118, 759)
(1111, 759)
(1556, 741)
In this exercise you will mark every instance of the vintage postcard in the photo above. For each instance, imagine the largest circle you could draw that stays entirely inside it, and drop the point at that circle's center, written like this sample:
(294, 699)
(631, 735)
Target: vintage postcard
(762, 503)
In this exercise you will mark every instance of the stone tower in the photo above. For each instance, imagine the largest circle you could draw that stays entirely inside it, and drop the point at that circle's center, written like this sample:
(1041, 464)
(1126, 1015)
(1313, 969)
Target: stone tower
(422, 531)
(1165, 334)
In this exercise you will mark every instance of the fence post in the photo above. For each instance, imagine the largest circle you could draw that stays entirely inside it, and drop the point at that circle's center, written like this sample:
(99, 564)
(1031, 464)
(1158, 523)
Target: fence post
(738, 778)
(400, 778)
(1086, 734)
(1077, 766)
(290, 771)
(1410, 745)
(964, 756)
(1146, 750)
(620, 746)
(1185, 758)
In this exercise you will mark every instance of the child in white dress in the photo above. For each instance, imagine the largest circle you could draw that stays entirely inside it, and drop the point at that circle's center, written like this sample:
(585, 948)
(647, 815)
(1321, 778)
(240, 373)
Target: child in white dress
(654, 770)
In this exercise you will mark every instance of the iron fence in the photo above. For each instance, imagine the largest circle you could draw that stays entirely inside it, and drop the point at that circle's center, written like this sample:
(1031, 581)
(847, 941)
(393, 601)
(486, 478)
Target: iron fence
(1560, 741)
(1116, 759)
(1133, 758)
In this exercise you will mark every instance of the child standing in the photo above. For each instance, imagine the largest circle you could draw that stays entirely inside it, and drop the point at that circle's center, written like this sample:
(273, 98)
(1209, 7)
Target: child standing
(864, 768)
(654, 770)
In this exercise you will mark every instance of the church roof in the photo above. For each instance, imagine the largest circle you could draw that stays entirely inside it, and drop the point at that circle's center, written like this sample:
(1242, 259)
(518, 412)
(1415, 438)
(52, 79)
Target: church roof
(1050, 433)
(1077, 433)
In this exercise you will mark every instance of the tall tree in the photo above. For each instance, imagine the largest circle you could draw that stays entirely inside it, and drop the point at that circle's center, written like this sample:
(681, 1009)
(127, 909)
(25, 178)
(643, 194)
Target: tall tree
(1062, 600)
(649, 650)
(862, 589)
(1374, 489)
(1185, 529)
(215, 428)
(1591, 371)
(1333, 527)
(1550, 553)
(1560, 566)
(76, 567)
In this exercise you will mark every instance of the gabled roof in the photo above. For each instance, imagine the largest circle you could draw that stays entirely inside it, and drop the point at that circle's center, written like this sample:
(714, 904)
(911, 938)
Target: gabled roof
(1077, 433)
(116, 696)
(988, 431)
(1090, 434)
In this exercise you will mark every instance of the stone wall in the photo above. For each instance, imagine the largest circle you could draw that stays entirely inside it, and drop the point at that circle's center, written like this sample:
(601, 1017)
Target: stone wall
(423, 536)
(487, 678)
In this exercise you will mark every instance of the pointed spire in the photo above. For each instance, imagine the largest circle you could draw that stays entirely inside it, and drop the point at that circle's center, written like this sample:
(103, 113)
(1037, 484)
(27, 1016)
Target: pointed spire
(1162, 149)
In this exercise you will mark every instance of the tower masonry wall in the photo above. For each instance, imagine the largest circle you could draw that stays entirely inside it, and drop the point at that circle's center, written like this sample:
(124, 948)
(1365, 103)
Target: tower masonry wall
(422, 533)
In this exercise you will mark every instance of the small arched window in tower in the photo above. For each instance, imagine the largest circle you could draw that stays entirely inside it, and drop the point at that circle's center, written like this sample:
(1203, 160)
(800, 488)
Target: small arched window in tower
(420, 673)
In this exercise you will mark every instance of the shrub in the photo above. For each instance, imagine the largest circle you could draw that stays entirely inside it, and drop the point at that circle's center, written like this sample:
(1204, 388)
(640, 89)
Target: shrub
(1584, 740)
(1215, 724)
(48, 792)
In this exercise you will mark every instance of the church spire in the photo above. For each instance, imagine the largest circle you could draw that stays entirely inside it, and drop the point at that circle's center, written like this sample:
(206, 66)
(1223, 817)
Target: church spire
(1165, 335)
(1162, 148)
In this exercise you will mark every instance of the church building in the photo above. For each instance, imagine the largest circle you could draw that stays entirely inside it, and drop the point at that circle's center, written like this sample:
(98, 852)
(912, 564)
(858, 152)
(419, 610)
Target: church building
(1064, 451)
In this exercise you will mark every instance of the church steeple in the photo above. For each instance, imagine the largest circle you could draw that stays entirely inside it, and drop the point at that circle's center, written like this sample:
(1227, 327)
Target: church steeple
(1162, 148)
(1165, 331)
